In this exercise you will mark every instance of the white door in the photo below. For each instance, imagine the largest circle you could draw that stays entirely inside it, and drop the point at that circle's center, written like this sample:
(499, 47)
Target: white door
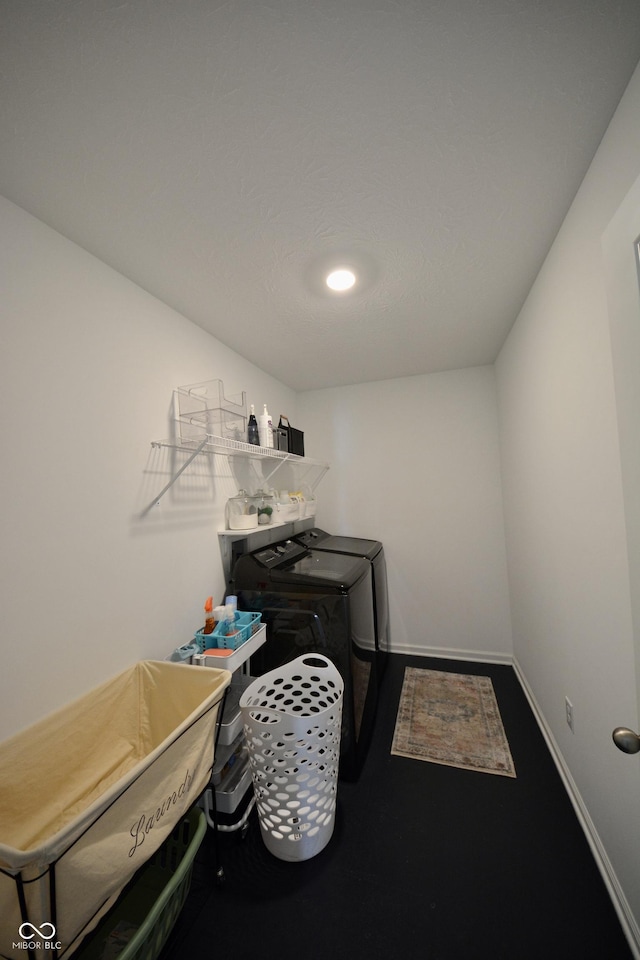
(621, 251)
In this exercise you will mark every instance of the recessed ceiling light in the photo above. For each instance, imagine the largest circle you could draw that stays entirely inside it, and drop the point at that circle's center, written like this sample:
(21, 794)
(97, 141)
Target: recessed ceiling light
(341, 279)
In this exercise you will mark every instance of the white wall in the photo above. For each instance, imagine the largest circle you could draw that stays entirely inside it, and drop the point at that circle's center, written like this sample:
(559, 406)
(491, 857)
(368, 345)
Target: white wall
(415, 464)
(564, 514)
(88, 363)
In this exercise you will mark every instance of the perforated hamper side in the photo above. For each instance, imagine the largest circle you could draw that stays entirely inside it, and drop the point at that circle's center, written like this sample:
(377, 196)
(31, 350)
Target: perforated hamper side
(292, 720)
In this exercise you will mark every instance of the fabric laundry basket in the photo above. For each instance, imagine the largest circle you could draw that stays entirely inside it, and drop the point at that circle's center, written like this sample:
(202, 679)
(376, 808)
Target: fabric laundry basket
(292, 719)
(89, 793)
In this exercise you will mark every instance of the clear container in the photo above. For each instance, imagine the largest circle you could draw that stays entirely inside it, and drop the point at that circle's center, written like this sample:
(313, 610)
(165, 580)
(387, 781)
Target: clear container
(287, 508)
(311, 505)
(266, 503)
(203, 408)
(241, 512)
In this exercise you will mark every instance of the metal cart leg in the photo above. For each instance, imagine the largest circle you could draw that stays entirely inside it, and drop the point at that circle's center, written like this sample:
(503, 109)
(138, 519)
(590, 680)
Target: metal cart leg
(211, 814)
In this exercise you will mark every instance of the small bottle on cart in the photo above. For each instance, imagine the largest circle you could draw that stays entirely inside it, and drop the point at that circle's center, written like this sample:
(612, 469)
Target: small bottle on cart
(230, 620)
(209, 618)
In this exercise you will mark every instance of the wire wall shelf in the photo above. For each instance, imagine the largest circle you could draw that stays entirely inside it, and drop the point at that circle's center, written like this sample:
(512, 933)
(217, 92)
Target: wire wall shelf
(307, 470)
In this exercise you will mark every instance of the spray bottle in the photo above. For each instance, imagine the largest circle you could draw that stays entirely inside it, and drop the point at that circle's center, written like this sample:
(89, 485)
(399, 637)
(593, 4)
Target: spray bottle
(209, 622)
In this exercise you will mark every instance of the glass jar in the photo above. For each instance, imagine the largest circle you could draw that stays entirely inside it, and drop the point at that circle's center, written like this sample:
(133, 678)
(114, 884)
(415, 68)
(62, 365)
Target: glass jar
(241, 512)
(265, 504)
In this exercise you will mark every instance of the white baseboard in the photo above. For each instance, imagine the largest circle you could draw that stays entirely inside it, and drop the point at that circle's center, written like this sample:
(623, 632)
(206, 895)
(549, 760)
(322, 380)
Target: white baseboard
(442, 653)
(620, 903)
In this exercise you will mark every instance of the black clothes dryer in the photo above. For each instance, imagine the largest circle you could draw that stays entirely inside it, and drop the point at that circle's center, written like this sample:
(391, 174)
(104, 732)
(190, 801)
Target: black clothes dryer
(373, 552)
(317, 602)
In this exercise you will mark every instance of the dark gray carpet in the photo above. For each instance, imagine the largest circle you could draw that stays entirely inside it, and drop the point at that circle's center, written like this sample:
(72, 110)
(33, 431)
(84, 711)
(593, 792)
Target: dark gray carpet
(427, 862)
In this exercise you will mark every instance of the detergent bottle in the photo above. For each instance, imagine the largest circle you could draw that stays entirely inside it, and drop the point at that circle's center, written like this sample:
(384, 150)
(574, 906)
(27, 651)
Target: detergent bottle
(265, 428)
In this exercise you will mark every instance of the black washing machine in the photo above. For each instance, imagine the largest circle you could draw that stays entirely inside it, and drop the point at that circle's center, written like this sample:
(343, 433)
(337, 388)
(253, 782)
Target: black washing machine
(314, 601)
(373, 552)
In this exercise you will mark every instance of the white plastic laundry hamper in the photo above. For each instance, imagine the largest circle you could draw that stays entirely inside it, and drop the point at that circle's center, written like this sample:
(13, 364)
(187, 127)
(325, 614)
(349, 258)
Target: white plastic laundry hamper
(292, 720)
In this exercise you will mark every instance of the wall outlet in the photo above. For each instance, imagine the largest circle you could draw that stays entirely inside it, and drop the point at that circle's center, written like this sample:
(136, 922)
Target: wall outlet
(569, 711)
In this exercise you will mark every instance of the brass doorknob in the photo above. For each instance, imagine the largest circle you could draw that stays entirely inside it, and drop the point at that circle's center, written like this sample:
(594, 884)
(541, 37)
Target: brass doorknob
(626, 740)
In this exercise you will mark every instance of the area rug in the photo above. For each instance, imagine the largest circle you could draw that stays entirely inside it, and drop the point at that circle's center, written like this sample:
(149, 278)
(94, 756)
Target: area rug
(452, 719)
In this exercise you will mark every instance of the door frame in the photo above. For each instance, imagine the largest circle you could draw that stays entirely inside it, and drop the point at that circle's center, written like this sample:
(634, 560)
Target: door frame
(622, 276)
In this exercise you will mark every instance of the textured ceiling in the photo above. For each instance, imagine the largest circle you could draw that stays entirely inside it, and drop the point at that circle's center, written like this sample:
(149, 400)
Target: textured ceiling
(221, 154)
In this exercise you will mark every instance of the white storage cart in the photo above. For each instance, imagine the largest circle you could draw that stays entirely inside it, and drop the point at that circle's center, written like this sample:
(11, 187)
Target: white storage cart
(228, 799)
